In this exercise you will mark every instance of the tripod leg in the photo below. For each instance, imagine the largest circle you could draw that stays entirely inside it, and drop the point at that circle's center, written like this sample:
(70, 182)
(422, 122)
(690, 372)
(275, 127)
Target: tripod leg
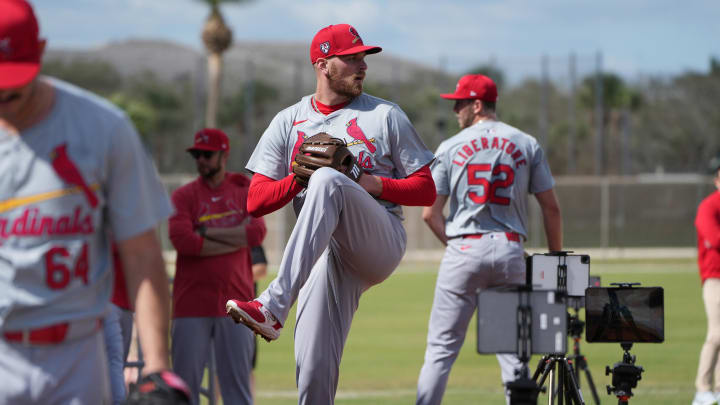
(561, 382)
(545, 368)
(542, 364)
(591, 384)
(573, 389)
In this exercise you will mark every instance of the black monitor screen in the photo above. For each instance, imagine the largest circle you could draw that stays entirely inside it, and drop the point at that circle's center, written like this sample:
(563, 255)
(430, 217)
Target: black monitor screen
(625, 315)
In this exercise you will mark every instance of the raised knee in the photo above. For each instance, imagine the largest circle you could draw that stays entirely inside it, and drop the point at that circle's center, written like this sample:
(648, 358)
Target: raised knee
(324, 177)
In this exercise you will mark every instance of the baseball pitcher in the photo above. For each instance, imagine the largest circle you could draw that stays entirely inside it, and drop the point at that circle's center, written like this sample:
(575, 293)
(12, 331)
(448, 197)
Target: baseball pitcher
(349, 160)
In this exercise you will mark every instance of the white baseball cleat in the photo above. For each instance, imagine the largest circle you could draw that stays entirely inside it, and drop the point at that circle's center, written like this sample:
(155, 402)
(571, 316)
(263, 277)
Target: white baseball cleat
(254, 315)
(704, 398)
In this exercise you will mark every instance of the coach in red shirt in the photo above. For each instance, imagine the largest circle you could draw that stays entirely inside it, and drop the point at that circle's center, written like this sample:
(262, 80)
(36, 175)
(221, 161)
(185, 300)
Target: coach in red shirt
(707, 224)
(213, 234)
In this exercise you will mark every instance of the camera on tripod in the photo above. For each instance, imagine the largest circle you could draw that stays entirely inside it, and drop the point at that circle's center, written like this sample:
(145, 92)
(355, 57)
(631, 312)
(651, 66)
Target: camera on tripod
(625, 314)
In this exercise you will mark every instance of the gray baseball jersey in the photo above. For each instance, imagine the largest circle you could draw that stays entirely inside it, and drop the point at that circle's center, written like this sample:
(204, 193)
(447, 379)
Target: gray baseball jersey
(377, 132)
(487, 170)
(62, 183)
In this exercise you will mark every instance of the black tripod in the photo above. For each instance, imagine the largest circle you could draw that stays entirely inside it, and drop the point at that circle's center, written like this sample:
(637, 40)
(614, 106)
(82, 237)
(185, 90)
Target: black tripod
(575, 330)
(557, 365)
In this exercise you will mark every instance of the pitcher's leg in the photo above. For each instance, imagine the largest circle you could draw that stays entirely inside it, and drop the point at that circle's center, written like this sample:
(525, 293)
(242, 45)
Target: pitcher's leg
(310, 237)
(233, 353)
(335, 207)
(325, 310)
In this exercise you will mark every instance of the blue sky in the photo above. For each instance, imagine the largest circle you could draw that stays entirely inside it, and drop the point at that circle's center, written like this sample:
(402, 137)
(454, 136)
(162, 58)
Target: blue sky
(636, 38)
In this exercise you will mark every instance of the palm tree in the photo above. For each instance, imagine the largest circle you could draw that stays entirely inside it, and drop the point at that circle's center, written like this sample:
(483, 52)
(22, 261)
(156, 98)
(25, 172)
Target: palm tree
(217, 38)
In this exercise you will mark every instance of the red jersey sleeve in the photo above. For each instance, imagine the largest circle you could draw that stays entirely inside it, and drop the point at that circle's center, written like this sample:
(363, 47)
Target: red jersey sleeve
(181, 229)
(267, 195)
(255, 232)
(418, 189)
(707, 221)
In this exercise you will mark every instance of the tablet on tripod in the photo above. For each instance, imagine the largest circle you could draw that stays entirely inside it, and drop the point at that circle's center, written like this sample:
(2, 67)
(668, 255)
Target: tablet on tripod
(559, 271)
(625, 315)
(500, 323)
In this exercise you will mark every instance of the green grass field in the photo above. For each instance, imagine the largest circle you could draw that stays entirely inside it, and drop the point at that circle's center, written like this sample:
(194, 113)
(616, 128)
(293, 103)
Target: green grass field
(386, 345)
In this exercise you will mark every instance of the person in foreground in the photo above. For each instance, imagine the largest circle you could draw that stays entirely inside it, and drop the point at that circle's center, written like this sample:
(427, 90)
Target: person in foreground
(349, 234)
(73, 174)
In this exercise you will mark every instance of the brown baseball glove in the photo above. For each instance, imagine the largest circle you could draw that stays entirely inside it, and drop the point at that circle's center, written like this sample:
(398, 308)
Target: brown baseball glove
(322, 150)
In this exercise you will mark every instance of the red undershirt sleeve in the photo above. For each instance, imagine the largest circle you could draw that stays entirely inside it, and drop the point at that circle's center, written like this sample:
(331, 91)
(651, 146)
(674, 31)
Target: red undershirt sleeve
(267, 195)
(417, 189)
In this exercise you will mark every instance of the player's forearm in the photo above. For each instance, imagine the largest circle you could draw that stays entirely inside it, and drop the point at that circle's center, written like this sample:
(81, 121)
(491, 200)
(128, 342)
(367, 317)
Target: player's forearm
(267, 195)
(212, 247)
(148, 288)
(233, 236)
(437, 225)
(434, 218)
(153, 315)
(552, 220)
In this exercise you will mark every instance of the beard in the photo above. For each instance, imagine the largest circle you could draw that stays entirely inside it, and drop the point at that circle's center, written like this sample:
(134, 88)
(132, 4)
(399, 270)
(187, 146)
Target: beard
(207, 171)
(344, 86)
(210, 172)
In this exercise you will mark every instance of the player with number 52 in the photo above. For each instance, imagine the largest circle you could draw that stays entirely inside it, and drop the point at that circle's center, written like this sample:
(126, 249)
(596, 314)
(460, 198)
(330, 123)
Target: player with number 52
(486, 172)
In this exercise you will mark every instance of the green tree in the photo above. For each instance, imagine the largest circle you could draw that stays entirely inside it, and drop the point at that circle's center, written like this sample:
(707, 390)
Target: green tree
(141, 113)
(619, 102)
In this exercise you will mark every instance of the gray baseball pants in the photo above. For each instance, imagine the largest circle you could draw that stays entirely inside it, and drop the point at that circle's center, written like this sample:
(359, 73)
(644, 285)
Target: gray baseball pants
(74, 372)
(191, 338)
(468, 265)
(343, 243)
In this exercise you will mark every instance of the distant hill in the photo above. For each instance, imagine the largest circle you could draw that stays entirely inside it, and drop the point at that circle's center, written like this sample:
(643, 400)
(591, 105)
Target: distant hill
(285, 64)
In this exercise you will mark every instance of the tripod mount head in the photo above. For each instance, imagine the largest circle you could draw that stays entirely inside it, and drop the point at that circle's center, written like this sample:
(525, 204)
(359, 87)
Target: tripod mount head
(575, 326)
(625, 375)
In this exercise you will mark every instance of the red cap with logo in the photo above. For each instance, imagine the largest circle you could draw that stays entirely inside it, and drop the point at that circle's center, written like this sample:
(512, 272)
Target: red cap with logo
(210, 139)
(20, 49)
(338, 39)
(478, 87)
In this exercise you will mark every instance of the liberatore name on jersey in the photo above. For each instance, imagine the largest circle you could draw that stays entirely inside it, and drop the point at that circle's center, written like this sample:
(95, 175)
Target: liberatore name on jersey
(469, 148)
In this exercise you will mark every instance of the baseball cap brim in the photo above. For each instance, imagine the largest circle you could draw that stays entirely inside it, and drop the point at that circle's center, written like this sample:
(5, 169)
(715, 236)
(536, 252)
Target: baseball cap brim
(17, 74)
(362, 48)
(204, 147)
(454, 96)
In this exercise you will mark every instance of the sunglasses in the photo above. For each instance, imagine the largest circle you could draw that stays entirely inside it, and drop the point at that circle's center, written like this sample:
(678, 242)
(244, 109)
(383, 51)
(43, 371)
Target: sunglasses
(207, 154)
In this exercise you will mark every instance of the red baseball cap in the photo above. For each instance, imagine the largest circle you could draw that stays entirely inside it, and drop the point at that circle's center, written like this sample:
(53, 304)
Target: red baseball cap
(20, 49)
(338, 39)
(474, 87)
(210, 139)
